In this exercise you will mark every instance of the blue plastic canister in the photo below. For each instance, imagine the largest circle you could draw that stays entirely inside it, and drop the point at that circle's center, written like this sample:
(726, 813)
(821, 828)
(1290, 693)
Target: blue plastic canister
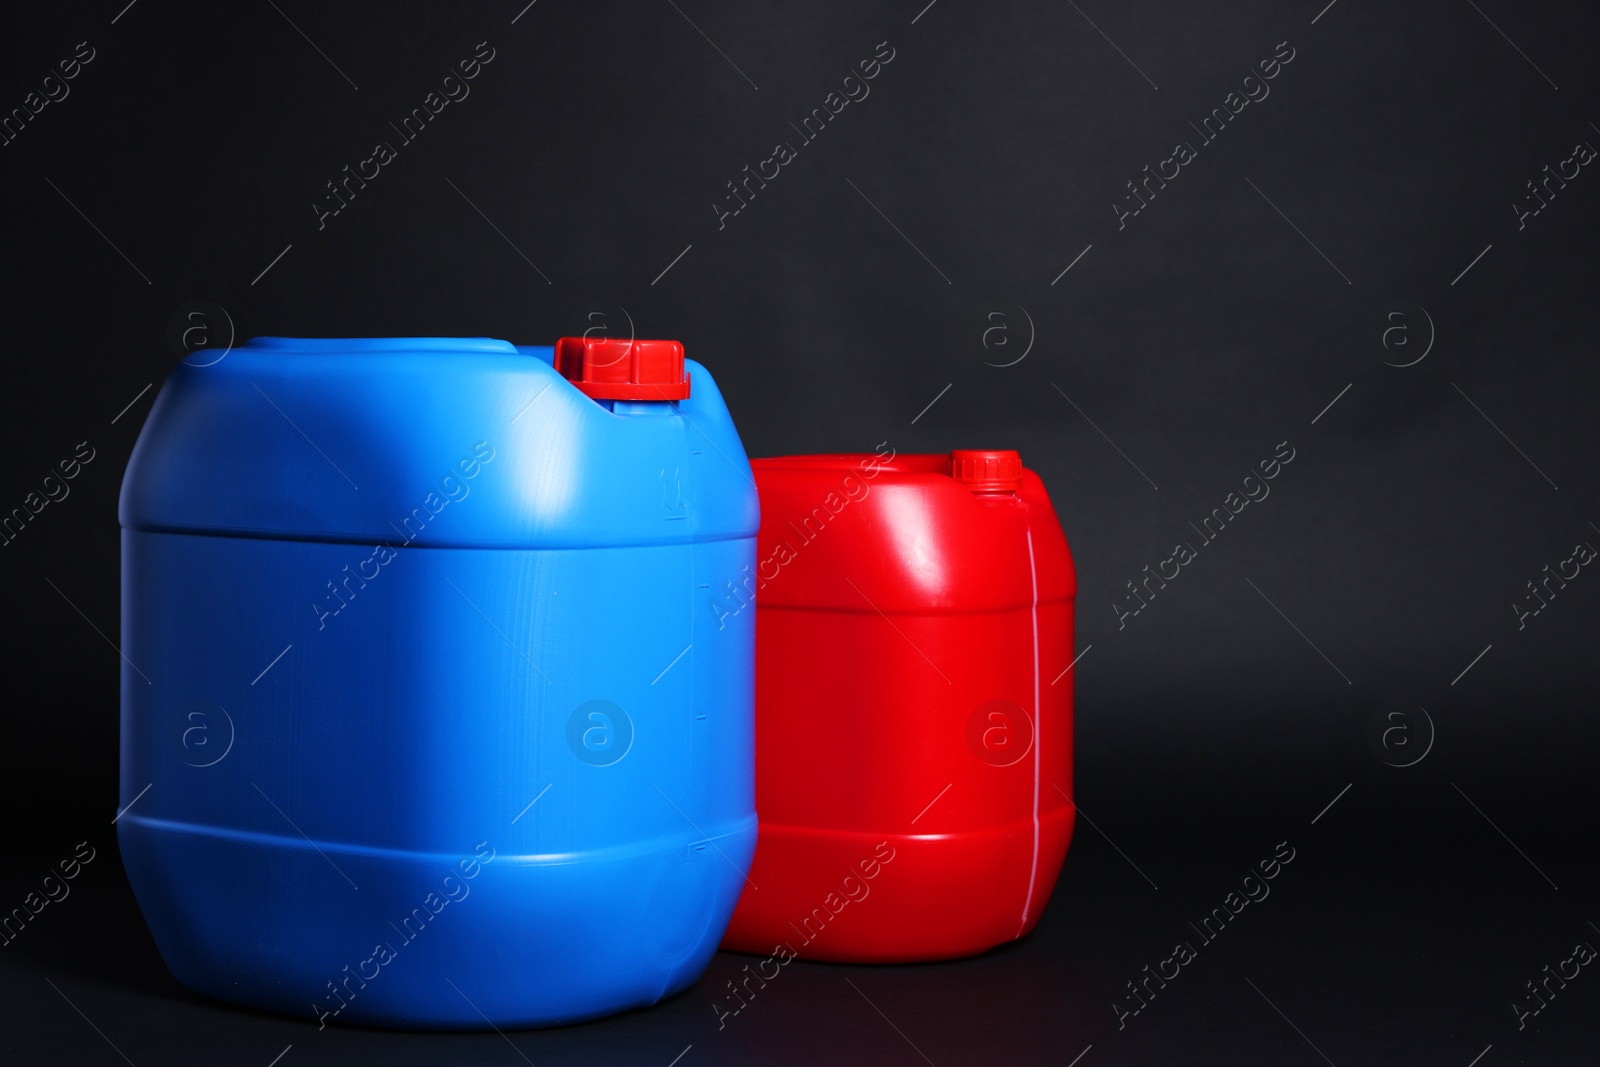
(433, 712)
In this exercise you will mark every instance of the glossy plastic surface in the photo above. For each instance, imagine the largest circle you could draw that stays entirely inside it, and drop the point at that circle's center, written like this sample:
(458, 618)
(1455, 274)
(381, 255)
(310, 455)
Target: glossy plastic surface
(433, 723)
(913, 708)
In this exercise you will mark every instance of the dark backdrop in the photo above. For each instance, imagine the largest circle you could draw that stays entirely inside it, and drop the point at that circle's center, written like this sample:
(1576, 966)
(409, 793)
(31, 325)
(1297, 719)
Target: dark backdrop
(945, 265)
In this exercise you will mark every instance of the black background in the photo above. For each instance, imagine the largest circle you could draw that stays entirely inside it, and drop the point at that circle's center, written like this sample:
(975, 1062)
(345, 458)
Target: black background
(1198, 336)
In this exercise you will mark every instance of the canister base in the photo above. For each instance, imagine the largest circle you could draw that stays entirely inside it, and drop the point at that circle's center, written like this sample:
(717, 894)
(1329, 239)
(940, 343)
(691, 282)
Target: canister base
(337, 933)
(941, 896)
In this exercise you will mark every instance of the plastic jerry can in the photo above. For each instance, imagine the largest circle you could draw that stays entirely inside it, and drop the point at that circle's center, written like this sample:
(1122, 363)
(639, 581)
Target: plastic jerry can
(427, 721)
(913, 706)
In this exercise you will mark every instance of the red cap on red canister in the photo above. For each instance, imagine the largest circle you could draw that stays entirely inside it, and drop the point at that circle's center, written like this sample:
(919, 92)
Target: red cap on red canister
(610, 368)
(987, 470)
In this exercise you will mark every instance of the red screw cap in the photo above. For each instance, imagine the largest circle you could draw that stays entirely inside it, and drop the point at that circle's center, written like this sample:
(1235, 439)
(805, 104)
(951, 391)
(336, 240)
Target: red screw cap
(609, 368)
(987, 470)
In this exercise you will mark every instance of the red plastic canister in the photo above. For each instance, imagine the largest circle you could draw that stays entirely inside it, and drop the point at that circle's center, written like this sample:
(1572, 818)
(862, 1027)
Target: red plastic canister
(913, 706)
